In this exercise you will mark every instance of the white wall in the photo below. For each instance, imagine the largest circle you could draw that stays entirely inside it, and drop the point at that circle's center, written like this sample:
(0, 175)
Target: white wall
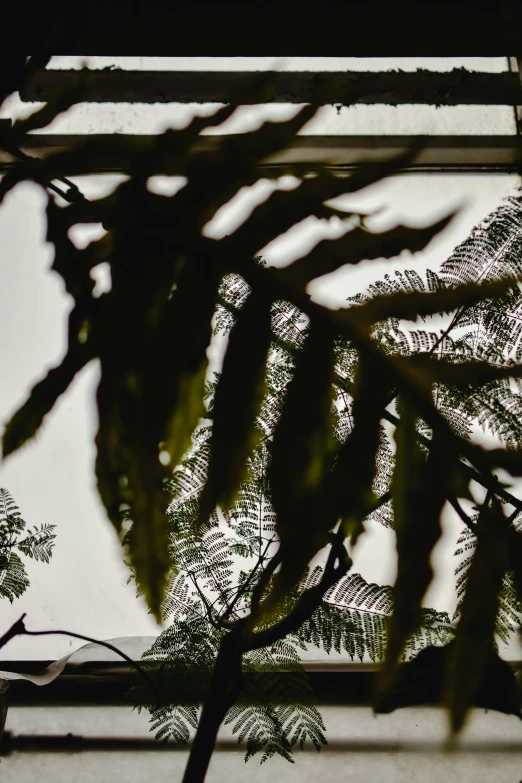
(405, 747)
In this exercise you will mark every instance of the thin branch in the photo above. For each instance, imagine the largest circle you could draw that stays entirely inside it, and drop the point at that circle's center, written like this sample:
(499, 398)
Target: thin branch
(261, 586)
(18, 629)
(485, 481)
(204, 599)
(487, 499)
(511, 518)
(73, 195)
(306, 605)
(462, 514)
(246, 583)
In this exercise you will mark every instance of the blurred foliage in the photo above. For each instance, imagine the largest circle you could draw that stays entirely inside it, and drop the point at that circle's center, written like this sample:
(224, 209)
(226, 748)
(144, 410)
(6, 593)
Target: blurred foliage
(16, 539)
(150, 334)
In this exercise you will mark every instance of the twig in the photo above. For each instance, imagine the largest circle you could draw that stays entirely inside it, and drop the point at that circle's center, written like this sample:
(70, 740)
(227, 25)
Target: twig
(488, 482)
(73, 195)
(307, 603)
(511, 518)
(263, 583)
(204, 599)
(18, 629)
(460, 511)
(246, 584)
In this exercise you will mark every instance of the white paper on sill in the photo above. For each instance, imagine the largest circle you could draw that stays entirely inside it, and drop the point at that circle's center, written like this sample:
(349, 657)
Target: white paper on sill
(131, 646)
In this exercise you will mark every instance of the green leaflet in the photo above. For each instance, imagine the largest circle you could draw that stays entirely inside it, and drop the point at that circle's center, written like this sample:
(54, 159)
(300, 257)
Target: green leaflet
(302, 450)
(237, 403)
(514, 581)
(39, 544)
(419, 490)
(348, 492)
(275, 710)
(358, 245)
(510, 609)
(411, 305)
(474, 638)
(27, 420)
(152, 387)
(185, 416)
(282, 209)
(464, 374)
(354, 618)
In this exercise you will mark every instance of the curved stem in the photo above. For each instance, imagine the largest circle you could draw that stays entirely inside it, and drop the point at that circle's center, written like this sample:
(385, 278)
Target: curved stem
(222, 693)
(19, 629)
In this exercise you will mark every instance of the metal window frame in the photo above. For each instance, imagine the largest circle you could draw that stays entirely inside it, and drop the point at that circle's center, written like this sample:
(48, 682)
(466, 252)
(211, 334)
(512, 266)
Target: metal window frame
(442, 154)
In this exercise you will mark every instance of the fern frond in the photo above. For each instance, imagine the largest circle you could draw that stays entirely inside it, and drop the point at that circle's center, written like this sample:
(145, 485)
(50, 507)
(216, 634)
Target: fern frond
(509, 614)
(8, 507)
(276, 710)
(259, 726)
(492, 248)
(39, 544)
(353, 618)
(174, 722)
(13, 576)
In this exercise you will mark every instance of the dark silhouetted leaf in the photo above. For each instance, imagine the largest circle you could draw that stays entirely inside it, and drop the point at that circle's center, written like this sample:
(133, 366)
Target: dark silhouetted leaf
(359, 245)
(237, 402)
(474, 639)
(348, 493)
(421, 681)
(284, 209)
(302, 446)
(467, 373)
(411, 305)
(419, 492)
(27, 420)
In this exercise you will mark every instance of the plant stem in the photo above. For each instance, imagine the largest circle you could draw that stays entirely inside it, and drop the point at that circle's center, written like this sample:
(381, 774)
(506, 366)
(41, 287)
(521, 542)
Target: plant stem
(225, 684)
(18, 629)
(222, 693)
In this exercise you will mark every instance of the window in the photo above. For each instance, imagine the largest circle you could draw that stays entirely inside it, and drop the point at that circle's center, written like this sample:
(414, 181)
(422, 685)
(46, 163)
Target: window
(469, 165)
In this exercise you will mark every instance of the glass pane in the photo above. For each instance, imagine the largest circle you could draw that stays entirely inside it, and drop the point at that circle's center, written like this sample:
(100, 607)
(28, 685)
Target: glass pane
(487, 64)
(84, 587)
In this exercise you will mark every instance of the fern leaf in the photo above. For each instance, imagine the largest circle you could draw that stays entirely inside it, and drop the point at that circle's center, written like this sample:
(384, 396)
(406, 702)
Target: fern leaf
(39, 544)
(13, 577)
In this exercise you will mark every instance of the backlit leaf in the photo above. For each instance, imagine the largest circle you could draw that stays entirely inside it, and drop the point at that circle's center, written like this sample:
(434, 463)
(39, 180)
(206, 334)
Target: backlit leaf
(237, 403)
(474, 638)
(419, 489)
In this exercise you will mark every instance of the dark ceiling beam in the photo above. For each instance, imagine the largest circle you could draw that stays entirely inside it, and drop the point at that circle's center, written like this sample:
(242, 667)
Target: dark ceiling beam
(438, 153)
(356, 28)
(393, 87)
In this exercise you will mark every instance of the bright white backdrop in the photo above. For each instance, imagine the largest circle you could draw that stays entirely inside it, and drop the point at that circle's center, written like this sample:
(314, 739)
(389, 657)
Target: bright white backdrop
(52, 480)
